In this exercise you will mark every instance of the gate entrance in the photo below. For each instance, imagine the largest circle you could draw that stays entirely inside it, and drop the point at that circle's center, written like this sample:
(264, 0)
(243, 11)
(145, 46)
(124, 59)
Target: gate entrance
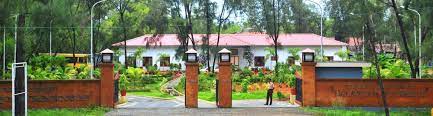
(19, 89)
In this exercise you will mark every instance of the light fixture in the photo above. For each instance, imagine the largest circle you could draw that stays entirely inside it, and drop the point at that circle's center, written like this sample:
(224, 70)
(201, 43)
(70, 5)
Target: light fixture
(107, 56)
(308, 55)
(191, 56)
(224, 55)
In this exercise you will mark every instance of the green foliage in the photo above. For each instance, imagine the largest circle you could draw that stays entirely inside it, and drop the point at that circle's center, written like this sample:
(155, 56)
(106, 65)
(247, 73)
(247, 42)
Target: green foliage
(207, 81)
(295, 53)
(248, 55)
(92, 111)
(244, 85)
(390, 68)
(269, 52)
(54, 68)
(281, 95)
(343, 54)
(123, 82)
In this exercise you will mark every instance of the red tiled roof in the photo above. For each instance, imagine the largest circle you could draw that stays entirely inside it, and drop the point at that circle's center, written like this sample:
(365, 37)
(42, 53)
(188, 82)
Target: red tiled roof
(242, 39)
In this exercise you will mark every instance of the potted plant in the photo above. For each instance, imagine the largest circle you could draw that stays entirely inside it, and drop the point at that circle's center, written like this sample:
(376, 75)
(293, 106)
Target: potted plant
(123, 82)
(292, 84)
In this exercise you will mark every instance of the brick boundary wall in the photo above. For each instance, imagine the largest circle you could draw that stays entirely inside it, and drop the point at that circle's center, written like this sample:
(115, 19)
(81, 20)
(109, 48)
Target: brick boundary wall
(363, 92)
(55, 93)
(366, 92)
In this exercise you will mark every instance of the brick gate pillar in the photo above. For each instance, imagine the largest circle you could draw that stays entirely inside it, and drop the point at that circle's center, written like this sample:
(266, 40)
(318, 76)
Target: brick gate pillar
(308, 83)
(224, 85)
(191, 85)
(308, 77)
(107, 85)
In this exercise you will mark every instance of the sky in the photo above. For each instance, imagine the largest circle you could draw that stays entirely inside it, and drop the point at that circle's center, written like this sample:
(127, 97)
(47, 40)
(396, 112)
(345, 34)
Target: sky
(240, 19)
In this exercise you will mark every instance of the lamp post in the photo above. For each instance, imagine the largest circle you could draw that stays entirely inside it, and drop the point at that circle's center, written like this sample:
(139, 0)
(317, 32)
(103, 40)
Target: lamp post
(321, 27)
(15, 37)
(4, 50)
(51, 22)
(91, 37)
(419, 39)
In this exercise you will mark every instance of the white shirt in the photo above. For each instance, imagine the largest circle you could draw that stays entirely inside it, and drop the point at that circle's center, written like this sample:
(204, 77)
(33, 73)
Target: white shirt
(271, 85)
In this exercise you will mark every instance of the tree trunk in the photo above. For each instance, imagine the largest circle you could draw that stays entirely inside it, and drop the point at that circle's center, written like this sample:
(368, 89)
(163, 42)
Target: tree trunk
(403, 34)
(376, 62)
(74, 38)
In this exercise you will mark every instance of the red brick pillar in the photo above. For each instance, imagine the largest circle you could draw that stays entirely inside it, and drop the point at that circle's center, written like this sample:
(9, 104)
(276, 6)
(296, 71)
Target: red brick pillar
(191, 86)
(107, 85)
(225, 85)
(308, 83)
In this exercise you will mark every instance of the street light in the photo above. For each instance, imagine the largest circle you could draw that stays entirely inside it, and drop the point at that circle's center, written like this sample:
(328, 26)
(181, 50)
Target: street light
(321, 27)
(419, 39)
(4, 50)
(15, 34)
(91, 37)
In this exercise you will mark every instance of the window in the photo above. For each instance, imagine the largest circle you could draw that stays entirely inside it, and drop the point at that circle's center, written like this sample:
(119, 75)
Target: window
(147, 61)
(234, 51)
(71, 59)
(164, 61)
(259, 61)
(329, 58)
(82, 60)
(274, 58)
(291, 60)
(234, 60)
(131, 61)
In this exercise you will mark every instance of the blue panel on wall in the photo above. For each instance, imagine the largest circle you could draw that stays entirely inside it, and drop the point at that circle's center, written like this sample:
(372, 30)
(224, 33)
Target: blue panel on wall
(339, 72)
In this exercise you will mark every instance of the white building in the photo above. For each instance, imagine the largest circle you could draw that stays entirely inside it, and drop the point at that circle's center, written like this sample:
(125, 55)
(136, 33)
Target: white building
(237, 43)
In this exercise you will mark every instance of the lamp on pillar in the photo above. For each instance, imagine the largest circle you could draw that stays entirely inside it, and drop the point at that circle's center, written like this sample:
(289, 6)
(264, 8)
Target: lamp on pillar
(224, 81)
(308, 55)
(107, 56)
(224, 55)
(191, 55)
(107, 79)
(191, 79)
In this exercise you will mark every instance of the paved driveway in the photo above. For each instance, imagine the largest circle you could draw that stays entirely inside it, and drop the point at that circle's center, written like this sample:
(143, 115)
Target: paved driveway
(208, 112)
(145, 106)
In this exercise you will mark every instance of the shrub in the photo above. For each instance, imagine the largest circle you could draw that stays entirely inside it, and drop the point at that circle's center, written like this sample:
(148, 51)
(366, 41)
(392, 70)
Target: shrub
(207, 81)
(281, 95)
(244, 85)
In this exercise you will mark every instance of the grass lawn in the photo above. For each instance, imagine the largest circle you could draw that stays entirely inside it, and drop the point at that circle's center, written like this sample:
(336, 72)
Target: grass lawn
(152, 92)
(97, 111)
(210, 96)
(361, 112)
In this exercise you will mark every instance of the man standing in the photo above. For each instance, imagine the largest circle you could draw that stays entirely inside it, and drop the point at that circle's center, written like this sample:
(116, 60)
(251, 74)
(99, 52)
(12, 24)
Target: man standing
(270, 91)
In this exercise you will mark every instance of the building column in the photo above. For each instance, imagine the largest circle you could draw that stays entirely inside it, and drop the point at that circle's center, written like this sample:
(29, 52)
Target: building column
(224, 85)
(191, 85)
(308, 83)
(107, 85)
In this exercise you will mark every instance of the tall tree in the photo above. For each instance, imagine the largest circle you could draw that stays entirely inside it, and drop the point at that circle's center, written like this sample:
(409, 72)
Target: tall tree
(403, 37)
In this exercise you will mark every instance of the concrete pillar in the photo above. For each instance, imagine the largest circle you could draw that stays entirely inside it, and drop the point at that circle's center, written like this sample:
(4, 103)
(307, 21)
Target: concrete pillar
(225, 85)
(308, 83)
(107, 85)
(191, 86)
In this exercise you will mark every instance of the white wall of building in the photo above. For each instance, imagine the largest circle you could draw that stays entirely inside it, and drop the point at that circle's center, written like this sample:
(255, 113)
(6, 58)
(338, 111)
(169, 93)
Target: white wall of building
(256, 50)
